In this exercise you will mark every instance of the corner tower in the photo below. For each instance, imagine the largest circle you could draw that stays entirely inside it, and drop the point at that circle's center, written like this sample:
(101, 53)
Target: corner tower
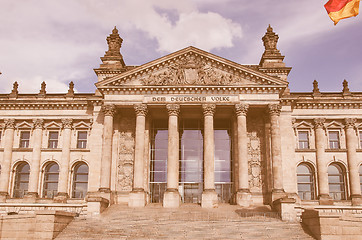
(271, 61)
(112, 61)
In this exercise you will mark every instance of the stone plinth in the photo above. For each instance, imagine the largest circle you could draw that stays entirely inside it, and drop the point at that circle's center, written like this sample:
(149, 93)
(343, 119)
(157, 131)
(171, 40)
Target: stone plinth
(44, 224)
(171, 199)
(209, 199)
(333, 223)
(137, 199)
(243, 199)
(96, 205)
(286, 207)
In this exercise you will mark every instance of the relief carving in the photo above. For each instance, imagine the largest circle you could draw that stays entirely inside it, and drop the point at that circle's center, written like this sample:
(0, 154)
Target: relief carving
(255, 155)
(126, 154)
(191, 70)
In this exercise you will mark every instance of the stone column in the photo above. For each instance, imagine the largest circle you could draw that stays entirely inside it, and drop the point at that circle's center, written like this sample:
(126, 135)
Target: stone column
(243, 196)
(108, 111)
(65, 160)
(172, 198)
(7, 158)
(354, 179)
(138, 197)
(35, 159)
(276, 151)
(322, 169)
(209, 195)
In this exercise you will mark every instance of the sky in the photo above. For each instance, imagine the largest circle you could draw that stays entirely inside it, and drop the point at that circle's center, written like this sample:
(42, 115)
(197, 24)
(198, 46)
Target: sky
(61, 41)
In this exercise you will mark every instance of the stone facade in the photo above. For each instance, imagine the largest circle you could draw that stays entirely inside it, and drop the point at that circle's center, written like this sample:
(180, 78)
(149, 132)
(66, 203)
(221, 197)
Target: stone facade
(288, 150)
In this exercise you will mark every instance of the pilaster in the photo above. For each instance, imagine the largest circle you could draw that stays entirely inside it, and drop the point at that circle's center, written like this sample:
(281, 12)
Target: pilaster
(65, 160)
(35, 161)
(9, 125)
(322, 171)
(354, 178)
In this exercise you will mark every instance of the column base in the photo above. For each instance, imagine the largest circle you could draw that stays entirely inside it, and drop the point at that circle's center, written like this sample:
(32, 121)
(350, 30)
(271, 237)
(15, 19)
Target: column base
(61, 197)
(356, 200)
(243, 198)
(3, 196)
(171, 199)
(209, 199)
(325, 199)
(137, 198)
(277, 194)
(31, 197)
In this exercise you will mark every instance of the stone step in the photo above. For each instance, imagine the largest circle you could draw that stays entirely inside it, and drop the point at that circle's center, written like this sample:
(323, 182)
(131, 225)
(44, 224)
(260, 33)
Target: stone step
(186, 222)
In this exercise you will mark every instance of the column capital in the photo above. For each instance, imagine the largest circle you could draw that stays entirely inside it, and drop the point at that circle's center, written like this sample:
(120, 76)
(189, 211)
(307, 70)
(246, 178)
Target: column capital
(208, 109)
(319, 122)
(350, 122)
(38, 123)
(274, 109)
(241, 109)
(109, 109)
(173, 109)
(141, 109)
(67, 123)
(9, 123)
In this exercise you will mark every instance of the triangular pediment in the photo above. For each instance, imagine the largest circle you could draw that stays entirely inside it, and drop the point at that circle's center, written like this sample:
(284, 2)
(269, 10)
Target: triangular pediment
(191, 67)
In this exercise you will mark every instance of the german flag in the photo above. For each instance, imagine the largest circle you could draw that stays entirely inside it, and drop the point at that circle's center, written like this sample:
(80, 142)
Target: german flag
(340, 9)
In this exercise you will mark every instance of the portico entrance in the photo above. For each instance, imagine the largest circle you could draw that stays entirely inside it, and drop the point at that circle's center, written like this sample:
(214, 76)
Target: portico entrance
(191, 160)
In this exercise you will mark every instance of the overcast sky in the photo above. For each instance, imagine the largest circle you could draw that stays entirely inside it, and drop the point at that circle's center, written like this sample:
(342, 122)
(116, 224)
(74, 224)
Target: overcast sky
(61, 41)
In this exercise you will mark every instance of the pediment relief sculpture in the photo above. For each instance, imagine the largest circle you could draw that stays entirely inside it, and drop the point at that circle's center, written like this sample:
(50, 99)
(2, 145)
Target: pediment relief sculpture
(192, 71)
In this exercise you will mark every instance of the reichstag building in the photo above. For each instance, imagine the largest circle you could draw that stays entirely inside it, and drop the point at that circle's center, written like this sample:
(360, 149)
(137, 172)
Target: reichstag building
(189, 127)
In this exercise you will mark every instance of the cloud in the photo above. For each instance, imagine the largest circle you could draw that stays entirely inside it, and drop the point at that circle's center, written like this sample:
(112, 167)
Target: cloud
(62, 41)
(174, 24)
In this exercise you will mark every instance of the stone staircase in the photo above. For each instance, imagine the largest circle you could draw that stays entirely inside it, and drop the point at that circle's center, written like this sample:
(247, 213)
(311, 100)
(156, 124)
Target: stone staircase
(187, 222)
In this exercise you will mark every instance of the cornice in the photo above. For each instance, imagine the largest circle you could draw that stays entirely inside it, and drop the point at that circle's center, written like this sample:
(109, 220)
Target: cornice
(327, 105)
(144, 90)
(43, 106)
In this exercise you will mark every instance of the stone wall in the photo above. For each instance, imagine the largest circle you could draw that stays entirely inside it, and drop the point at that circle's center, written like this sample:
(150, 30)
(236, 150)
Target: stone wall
(334, 223)
(41, 225)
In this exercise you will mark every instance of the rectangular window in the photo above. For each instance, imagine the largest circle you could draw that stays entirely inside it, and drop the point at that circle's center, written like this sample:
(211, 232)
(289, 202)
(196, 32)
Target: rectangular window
(24, 139)
(82, 139)
(333, 139)
(53, 140)
(303, 140)
(360, 139)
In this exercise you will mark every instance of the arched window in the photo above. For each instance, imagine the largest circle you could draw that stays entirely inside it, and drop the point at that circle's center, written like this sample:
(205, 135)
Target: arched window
(51, 178)
(21, 180)
(80, 181)
(305, 179)
(336, 181)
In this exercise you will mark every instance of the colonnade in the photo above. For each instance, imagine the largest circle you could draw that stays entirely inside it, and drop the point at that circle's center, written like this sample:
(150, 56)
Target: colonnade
(138, 196)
